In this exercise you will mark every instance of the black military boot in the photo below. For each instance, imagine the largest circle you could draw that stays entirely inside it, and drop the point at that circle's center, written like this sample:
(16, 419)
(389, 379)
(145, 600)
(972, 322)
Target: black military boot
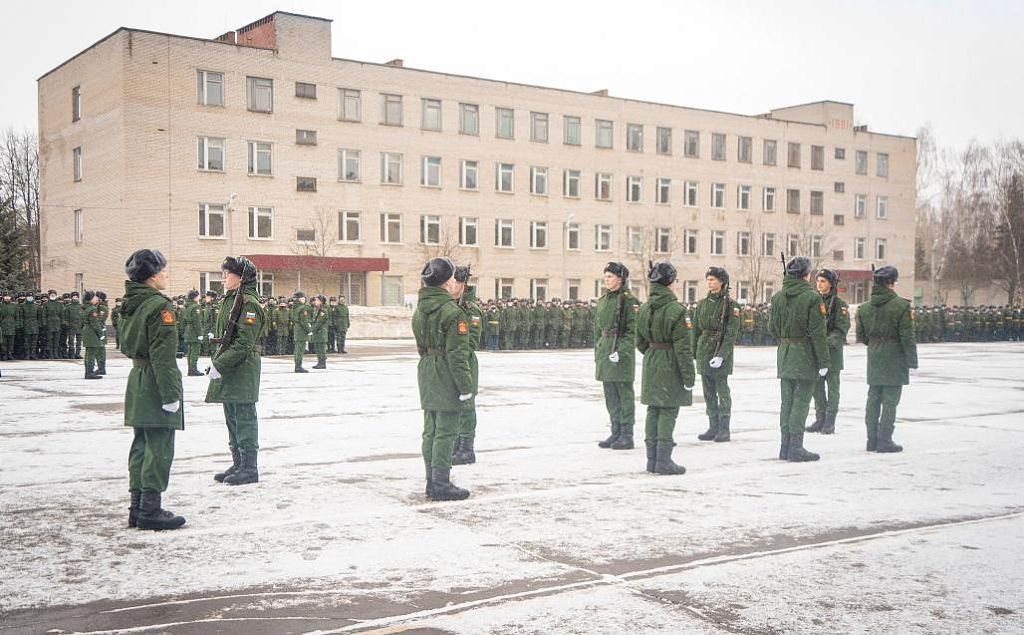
(652, 455)
(236, 462)
(456, 447)
(819, 422)
(247, 471)
(625, 440)
(885, 444)
(102, 370)
(709, 434)
(784, 446)
(91, 374)
(152, 516)
(722, 434)
(133, 508)
(442, 489)
(430, 482)
(464, 454)
(872, 439)
(607, 443)
(300, 369)
(663, 463)
(320, 366)
(829, 427)
(797, 453)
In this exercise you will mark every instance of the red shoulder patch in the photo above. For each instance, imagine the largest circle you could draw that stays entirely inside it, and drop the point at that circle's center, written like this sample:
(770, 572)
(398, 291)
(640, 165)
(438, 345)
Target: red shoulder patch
(167, 317)
(463, 327)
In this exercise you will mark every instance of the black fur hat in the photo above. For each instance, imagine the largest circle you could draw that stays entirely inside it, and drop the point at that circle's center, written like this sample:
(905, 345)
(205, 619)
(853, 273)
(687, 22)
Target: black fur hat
(241, 267)
(718, 272)
(437, 271)
(798, 267)
(144, 264)
(662, 273)
(618, 269)
(886, 275)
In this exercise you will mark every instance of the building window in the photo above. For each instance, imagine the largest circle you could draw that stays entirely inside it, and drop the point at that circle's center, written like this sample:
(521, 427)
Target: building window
(742, 243)
(690, 291)
(430, 229)
(76, 163)
(717, 146)
(817, 203)
(718, 195)
(663, 190)
(858, 248)
(539, 289)
(838, 219)
(391, 109)
(210, 88)
(572, 130)
(505, 127)
(634, 189)
(690, 238)
(265, 284)
(211, 220)
(769, 291)
(634, 240)
(634, 137)
(260, 94)
(793, 201)
(882, 207)
(261, 158)
(469, 119)
(840, 154)
(839, 187)
(504, 233)
(743, 197)
(539, 127)
(349, 227)
(603, 186)
(76, 103)
(793, 244)
(305, 137)
(817, 157)
(768, 244)
(305, 184)
(860, 205)
(391, 228)
(664, 140)
(505, 178)
(838, 255)
(691, 143)
(348, 165)
(572, 236)
(261, 223)
(469, 172)
(305, 91)
(718, 243)
(572, 288)
(793, 160)
(861, 162)
(468, 231)
(538, 235)
(604, 133)
(571, 183)
(305, 235)
(663, 240)
(768, 199)
(882, 167)
(390, 168)
(503, 288)
(351, 105)
(212, 281)
(431, 114)
(815, 246)
(743, 292)
(430, 172)
(880, 251)
(744, 149)
(770, 152)
(538, 181)
(79, 227)
(602, 237)
(211, 154)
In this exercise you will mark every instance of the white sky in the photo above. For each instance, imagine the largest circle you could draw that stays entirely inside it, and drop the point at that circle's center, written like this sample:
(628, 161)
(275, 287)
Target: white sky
(902, 63)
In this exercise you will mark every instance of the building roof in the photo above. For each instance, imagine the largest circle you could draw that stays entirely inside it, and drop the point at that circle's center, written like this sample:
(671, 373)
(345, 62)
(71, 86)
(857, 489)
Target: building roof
(333, 264)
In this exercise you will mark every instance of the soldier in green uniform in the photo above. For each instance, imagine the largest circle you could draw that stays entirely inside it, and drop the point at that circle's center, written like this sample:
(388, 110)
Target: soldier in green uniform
(153, 396)
(73, 316)
(663, 334)
(464, 452)
(837, 325)
(332, 325)
(192, 318)
(209, 322)
(49, 331)
(343, 324)
(101, 358)
(8, 325)
(797, 322)
(284, 326)
(886, 325)
(444, 373)
(30, 326)
(235, 369)
(92, 334)
(716, 323)
(319, 322)
(115, 317)
(615, 337)
(302, 329)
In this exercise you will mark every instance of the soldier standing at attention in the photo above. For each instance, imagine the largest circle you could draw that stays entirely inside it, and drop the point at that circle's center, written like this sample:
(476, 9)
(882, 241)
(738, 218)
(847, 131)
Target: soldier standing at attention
(235, 369)
(716, 323)
(615, 343)
(53, 315)
(663, 336)
(302, 329)
(332, 325)
(837, 325)
(30, 326)
(464, 454)
(115, 316)
(153, 397)
(92, 334)
(8, 322)
(104, 309)
(319, 324)
(73, 315)
(343, 323)
(444, 373)
(797, 322)
(192, 316)
(284, 325)
(886, 325)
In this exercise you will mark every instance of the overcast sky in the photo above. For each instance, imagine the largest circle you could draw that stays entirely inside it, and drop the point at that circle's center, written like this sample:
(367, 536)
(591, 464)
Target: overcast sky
(958, 65)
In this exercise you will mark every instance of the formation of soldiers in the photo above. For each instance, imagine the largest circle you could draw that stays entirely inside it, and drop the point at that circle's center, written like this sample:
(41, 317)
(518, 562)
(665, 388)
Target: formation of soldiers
(50, 326)
(524, 323)
(969, 324)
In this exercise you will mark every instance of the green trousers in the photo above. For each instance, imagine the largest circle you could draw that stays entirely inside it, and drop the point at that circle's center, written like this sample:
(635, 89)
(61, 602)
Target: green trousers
(620, 401)
(193, 353)
(282, 344)
(101, 355)
(880, 413)
(341, 339)
(826, 392)
(321, 352)
(243, 428)
(439, 431)
(150, 458)
(467, 424)
(660, 424)
(52, 342)
(717, 396)
(7, 343)
(92, 357)
(796, 401)
(300, 349)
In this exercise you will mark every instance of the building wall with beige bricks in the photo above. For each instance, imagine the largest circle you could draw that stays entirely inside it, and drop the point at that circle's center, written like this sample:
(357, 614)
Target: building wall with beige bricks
(144, 183)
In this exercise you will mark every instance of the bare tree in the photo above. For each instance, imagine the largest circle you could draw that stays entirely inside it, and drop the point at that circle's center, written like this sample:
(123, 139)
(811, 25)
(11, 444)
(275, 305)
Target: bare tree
(446, 246)
(321, 240)
(19, 188)
(1009, 212)
(757, 266)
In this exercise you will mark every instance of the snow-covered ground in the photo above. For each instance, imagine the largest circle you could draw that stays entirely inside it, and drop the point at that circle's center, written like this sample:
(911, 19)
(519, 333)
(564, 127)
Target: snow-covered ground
(559, 535)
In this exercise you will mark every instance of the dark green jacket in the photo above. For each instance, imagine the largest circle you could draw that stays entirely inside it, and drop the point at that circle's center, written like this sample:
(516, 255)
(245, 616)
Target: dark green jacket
(239, 365)
(192, 316)
(320, 320)
(446, 350)
(604, 329)
(8, 317)
(302, 324)
(53, 312)
(839, 315)
(73, 315)
(92, 327)
(341, 319)
(30, 318)
(797, 321)
(886, 325)
(149, 335)
(707, 321)
(662, 322)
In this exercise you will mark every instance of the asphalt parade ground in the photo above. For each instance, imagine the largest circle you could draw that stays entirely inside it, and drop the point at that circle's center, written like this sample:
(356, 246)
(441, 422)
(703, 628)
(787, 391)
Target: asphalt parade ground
(559, 536)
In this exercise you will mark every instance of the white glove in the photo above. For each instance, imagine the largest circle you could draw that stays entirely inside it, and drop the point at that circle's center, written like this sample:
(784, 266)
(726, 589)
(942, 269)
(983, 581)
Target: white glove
(213, 372)
(687, 388)
(614, 357)
(465, 397)
(171, 408)
(716, 362)
(310, 334)
(210, 335)
(822, 372)
(200, 338)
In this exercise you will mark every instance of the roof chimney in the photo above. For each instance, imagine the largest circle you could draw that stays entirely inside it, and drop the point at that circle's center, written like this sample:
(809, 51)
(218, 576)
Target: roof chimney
(601, 93)
(397, 63)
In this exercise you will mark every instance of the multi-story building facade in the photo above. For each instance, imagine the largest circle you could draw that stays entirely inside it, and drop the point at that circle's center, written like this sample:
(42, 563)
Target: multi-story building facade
(336, 175)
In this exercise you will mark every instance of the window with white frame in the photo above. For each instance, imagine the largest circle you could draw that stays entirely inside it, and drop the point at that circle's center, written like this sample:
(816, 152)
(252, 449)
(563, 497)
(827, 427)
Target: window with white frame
(690, 290)
(209, 88)
(469, 175)
(634, 137)
(604, 133)
(505, 177)
(76, 103)
(260, 94)
(817, 157)
(430, 175)
(348, 165)
(718, 195)
(538, 180)
(571, 183)
(469, 231)
(743, 197)
(744, 149)
(305, 235)
(538, 235)
(860, 205)
(663, 190)
(792, 201)
(603, 186)
(792, 244)
(717, 146)
(691, 191)
(504, 232)
(503, 288)
(880, 249)
(664, 140)
(690, 238)
(211, 220)
(79, 227)
(265, 283)
(305, 137)
(768, 199)
(691, 143)
(817, 203)
(211, 154)
(539, 289)
(572, 130)
(261, 223)
(305, 90)
(743, 292)
(469, 119)
(793, 158)
(351, 105)
(742, 243)
(261, 158)
(634, 189)
(859, 248)
(391, 228)
(663, 240)
(768, 244)
(860, 163)
(769, 152)
(390, 109)
(572, 236)
(572, 288)
(718, 243)
(305, 184)
(390, 168)
(882, 167)
(505, 125)
(430, 229)
(634, 239)
(539, 127)
(769, 291)
(431, 114)
(349, 227)
(882, 207)
(211, 281)
(815, 246)
(602, 237)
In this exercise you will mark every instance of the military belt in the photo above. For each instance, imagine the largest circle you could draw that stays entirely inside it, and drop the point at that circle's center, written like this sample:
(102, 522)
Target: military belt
(661, 346)
(608, 333)
(795, 340)
(140, 362)
(438, 352)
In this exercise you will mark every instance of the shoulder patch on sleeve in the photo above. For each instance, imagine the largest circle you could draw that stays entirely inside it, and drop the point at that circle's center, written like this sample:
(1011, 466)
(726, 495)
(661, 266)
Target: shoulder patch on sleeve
(822, 309)
(475, 319)
(463, 327)
(167, 316)
(250, 317)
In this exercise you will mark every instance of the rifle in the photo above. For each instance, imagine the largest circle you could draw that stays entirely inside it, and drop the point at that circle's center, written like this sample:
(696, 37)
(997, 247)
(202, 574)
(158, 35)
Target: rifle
(723, 321)
(782, 255)
(231, 328)
(619, 314)
(830, 321)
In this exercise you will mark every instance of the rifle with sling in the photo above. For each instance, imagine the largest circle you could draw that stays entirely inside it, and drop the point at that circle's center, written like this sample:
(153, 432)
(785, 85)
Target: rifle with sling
(619, 327)
(723, 322)
(231, 328)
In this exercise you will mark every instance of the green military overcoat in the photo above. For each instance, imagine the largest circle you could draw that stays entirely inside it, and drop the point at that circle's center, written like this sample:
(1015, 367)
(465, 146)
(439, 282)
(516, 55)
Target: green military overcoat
(605, 327)
(149, 336)
(239, 365)
(446, 349)
(797, 321)
(886, 325)
(707, 321)
(661, 322)
(839, 315)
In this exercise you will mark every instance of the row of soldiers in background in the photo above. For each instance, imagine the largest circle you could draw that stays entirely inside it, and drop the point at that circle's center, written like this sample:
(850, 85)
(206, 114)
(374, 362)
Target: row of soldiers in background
(969, 324)
(52, 326)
